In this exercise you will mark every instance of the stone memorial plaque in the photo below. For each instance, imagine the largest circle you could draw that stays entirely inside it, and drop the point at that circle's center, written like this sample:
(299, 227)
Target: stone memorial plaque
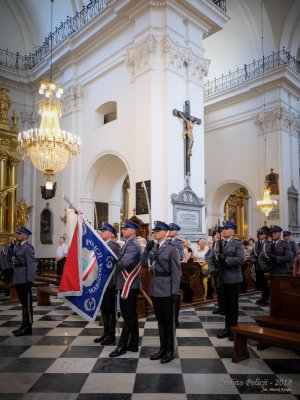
(187, 210)
(141, 206)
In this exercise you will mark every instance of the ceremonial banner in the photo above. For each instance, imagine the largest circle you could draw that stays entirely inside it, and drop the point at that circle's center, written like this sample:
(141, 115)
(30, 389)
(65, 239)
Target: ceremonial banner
(88, 269)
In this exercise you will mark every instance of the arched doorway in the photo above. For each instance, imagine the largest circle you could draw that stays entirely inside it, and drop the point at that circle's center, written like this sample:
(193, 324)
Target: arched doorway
(106, 191)
(230, 201)
(236, 210)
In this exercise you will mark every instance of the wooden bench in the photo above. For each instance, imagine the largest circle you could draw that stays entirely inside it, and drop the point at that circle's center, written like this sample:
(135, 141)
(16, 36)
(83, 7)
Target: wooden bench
(48, 279)
(286, 324)
(38, 283)
(13, 297)
(44, 293)
(274, 337)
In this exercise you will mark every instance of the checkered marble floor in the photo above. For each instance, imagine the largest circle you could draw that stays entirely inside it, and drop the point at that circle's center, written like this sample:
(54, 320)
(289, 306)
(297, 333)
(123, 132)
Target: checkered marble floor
(60, 361)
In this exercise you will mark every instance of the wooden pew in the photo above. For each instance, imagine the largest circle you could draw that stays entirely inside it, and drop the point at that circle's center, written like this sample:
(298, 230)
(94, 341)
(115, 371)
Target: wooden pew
(191, 278)
(48, 279)
(13, 297)
(274, 337)
(284, 304)
(286, 324)
(44, 293)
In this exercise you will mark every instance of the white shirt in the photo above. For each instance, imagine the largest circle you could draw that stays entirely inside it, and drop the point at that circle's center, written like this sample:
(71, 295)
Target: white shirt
(62, 250)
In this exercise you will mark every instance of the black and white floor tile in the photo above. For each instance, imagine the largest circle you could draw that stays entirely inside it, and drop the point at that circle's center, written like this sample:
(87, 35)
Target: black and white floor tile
(60, 361)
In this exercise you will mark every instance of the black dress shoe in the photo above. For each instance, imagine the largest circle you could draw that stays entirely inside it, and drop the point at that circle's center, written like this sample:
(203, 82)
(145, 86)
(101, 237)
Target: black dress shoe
(17, 330)
(217, 310)
(158, 355)
(223, 334)
(24, 332)
(101, 338)
(167, 358)
(118, 352)
(108, 340)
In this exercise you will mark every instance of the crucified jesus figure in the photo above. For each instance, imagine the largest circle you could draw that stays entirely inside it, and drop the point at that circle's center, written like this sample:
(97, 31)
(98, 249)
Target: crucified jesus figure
(188, 133)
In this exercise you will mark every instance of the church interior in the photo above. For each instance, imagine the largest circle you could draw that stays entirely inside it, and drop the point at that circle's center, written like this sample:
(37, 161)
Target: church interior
(184, 111)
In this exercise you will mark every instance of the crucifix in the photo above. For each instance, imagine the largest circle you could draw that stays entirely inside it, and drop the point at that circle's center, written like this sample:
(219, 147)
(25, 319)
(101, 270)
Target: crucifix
(187, 133)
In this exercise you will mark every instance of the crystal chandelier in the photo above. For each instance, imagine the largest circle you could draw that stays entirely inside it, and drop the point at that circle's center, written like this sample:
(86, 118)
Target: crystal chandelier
(49, 147)
(266, 205)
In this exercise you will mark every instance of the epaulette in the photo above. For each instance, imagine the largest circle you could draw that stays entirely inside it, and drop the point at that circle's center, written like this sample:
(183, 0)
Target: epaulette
(171, 243)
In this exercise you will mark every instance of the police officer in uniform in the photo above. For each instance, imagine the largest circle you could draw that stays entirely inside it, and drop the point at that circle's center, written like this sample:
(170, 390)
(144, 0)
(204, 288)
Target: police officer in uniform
(108, 305)
(6, 263)
(261, 281)
(287, 236)
(214, 270)
(24, 274)
(230, 256)
(174, 235)
(164, 261)
(129, 262)
(276, 254)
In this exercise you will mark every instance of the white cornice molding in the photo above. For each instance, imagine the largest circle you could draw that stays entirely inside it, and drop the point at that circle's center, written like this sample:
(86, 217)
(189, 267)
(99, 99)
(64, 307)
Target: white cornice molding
(278, 119)
(201, 25)
(145, 56)
(141, 57)
(179, 57)
(244, 92)
(73, 96)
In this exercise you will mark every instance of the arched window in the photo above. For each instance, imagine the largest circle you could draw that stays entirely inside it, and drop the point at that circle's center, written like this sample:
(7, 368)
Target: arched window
(106, 113)
(46, 225)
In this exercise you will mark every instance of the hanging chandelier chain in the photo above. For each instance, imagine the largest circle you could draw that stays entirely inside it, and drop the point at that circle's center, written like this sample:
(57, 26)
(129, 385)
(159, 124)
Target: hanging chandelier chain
(51, 39)
(263, 86)
(49, 147)
(266, 205)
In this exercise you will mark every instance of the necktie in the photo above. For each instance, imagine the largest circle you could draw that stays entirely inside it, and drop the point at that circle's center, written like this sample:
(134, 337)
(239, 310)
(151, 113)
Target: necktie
(225, 242)
(157, 246)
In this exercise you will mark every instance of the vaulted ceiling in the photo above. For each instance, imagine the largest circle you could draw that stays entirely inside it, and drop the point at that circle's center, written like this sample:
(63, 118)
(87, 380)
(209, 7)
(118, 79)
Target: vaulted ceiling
(25, 23)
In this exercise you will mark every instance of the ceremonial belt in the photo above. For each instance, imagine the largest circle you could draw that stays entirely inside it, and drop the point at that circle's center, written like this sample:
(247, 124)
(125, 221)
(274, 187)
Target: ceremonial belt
(19, 265)
(129, 278)
(159, 274)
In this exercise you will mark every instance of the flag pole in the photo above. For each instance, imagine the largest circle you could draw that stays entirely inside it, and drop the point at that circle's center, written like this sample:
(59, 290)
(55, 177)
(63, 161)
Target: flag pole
(71, 206)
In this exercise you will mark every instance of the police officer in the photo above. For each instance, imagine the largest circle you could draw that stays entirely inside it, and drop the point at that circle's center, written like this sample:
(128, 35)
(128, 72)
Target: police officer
(24, 275)
(230, 256)
(174, 235)
(276, 255)
(261, 280)
(214, 269)
(164, 261)
(128, 272)
(6, 263)
(287, 236)
(108, 305)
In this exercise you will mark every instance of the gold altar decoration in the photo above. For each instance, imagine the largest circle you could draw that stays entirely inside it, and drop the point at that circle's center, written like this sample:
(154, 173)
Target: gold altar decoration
(236, 210)
(9, 158)
(22, 212)
(64, 218)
